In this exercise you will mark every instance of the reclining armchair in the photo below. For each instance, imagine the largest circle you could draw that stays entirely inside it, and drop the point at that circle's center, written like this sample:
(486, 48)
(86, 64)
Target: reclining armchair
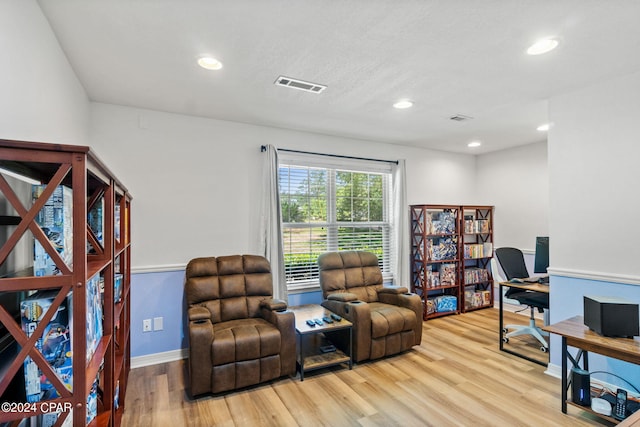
(238, 335)
(386, 320)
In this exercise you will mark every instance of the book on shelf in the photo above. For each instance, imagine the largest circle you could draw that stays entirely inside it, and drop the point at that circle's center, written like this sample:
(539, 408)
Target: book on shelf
(486, 297)
(475, 275)
(478, 250)
(475, 226)
(433, 279)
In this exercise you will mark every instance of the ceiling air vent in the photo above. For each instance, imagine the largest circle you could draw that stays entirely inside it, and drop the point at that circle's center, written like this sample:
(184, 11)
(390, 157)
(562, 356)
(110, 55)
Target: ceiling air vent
(299, 84)
(460, 118)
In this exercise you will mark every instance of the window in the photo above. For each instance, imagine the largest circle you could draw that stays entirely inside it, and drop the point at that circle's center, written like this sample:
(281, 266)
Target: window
(331, 204)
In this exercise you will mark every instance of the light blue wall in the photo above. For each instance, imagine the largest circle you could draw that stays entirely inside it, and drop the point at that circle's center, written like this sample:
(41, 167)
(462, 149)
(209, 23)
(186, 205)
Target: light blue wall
(566, 300)
(157, 295)
(305, 298)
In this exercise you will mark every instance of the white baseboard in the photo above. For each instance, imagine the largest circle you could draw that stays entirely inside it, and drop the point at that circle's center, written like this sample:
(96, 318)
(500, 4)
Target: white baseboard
(156, 358)
(554, 370)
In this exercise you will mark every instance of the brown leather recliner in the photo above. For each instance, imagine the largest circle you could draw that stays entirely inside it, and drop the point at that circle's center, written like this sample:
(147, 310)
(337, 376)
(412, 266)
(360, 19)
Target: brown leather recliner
(386, 320)
(238, 334)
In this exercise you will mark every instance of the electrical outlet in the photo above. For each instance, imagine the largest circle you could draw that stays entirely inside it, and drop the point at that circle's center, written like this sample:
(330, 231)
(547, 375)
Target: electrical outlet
(146, 325)
(158, 323)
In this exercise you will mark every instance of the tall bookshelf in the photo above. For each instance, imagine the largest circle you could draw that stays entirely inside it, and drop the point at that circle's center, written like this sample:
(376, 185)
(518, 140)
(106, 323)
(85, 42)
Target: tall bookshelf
(451, 249)
(435, 258)
(79, 372)
(477, 252)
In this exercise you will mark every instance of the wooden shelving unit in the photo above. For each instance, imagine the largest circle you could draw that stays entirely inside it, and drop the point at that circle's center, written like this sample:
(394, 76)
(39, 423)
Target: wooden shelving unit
(451, 249)
(435, 257)
(477, 252)
(105, 251)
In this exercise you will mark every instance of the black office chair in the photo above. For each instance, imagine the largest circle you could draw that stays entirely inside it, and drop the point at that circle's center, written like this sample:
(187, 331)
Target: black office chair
(512, 262)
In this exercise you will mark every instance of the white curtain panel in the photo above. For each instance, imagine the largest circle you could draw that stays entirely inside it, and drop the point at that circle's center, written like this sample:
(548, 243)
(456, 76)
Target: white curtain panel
(400, 254)
(271, 223)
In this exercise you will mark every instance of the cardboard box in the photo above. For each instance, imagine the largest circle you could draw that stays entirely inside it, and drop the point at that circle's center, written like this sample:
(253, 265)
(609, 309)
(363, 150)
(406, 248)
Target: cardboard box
(55, 344)
(56, 220)
(92, 402)
(95, 220)
(117, 287)
(94, 314)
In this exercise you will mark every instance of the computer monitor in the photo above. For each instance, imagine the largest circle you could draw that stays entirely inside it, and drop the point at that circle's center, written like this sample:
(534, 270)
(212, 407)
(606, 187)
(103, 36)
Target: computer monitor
(541, 261)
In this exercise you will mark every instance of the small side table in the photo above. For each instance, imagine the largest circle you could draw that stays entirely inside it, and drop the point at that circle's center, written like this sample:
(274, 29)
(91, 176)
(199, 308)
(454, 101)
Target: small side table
(309, 339)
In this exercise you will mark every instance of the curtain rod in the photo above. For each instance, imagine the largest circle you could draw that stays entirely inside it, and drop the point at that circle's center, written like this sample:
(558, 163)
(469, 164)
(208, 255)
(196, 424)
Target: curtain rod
(263, 148)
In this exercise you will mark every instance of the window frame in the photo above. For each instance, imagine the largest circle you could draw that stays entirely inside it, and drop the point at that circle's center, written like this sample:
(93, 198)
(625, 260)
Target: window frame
(333, 165)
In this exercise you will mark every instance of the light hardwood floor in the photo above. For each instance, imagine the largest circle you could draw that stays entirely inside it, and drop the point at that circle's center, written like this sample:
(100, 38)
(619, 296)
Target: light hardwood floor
(456, 377)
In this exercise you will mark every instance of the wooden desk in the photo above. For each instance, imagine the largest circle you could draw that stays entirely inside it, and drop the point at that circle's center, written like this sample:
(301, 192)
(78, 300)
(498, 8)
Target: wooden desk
(525, 286)
(632, 421)
(574, 333)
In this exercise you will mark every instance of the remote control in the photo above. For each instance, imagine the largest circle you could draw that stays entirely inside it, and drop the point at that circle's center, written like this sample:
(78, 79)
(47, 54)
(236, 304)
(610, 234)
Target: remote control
(327, 319)
(327, 348)
(311, 323)
(318, 321)
(336, 317)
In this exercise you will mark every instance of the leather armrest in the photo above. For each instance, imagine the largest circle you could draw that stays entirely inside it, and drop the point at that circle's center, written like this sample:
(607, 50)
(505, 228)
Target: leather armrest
(402, 299)
(284, 320)
(286, 324)
(407, 300)
(342, 296)
(200, 338)
(273, 304)
(199, 313)
(358, 313)
(393, 290)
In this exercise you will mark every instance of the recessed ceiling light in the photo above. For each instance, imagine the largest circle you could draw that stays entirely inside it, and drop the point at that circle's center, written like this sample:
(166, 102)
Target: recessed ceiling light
(542, 46)
(543, 128)
(402, 104)
(209, 63)
(474, 144)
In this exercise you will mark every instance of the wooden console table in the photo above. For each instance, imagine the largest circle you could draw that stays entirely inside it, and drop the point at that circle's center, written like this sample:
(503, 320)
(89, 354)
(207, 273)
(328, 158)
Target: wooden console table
(574, 333)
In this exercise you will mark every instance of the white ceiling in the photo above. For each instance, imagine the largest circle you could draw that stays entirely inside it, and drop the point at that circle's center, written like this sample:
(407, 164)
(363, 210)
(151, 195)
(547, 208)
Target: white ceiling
(448, 56)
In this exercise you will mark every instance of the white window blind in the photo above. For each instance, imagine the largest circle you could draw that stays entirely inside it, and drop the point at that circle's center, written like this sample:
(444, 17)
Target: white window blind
(332, 204)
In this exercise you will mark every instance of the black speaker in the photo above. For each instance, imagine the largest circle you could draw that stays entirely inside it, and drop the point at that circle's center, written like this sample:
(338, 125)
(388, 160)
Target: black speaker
(580, 387)
(611, 316)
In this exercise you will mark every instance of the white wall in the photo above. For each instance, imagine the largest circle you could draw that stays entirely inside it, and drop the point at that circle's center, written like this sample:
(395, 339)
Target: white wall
(42, 100)
(593, 169)
(196, 181)
(594, 152)
(516, 182)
